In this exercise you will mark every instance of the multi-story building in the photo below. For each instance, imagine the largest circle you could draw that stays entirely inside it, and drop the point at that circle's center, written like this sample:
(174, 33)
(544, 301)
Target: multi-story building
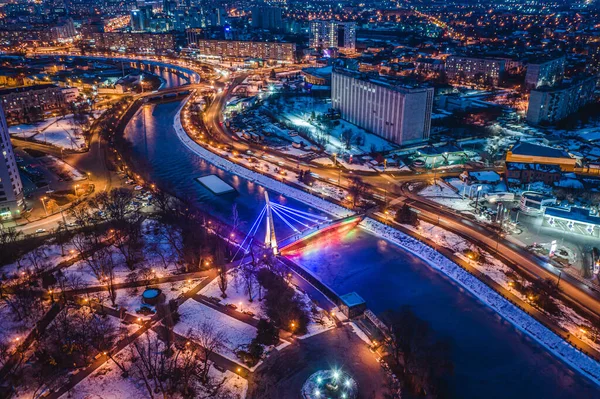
(593, 49)
(533, 154)
(552, 104)
(524, 173)
(399, 113)
(241, 50)
(265, 17)
(11, 188)
(153, 43)
(30, 103)
(328, 34)
(475, 69)
(545, 72)
(140, 18)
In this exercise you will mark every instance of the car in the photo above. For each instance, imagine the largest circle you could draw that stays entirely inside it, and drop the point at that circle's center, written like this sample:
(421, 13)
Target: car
(231, 306)
(138, 188)
(249, 313)
(39, 231)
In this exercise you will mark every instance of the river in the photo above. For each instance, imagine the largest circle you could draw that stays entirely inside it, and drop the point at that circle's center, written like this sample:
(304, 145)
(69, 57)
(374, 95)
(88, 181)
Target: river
(492, 359)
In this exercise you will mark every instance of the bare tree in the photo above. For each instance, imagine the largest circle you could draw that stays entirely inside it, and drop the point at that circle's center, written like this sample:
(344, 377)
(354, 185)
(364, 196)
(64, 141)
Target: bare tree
(222, 280)
(128, 240)
(210, 341)
(357, 189)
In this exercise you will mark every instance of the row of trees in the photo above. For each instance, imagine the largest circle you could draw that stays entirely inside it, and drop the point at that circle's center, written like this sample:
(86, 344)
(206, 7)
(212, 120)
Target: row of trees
(417, 357)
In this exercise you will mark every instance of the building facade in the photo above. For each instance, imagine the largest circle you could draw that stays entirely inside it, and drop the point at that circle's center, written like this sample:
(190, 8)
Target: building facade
(552, 104)
(11, 188)
(547, 72)
(523, 173)
(400, 114)
(147, 43)
(527, 153)
(265, 17)
(30, 103)
(240, 50)
(332, 34)
(475, 69)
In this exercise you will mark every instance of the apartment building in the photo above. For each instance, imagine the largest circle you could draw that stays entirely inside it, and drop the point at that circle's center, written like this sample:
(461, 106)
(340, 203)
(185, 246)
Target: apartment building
(475, 70)
(545, 72)
(398, 112)
(146, 43)
(552, 104)
(332, 34)
(11, 188)
(29, 103)
(241, 50)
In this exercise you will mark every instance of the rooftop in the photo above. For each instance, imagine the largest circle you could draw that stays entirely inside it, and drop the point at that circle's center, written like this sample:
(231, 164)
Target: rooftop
(524, 148)
(397, 84)
(574, 214)
(24, 89)
(352, 299)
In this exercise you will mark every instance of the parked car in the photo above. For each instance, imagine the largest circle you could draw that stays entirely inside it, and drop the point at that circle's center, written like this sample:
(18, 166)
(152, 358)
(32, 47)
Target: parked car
(39, 231)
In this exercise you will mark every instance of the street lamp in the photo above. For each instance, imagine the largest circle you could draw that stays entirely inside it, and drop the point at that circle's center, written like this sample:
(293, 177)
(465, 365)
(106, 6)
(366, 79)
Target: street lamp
(44, 204)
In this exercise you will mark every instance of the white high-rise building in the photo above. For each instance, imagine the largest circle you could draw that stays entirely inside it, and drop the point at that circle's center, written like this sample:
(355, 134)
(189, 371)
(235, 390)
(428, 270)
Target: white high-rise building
(545, 72)
(328, 34)
(11, 188)
(550, 104)
(398, 113)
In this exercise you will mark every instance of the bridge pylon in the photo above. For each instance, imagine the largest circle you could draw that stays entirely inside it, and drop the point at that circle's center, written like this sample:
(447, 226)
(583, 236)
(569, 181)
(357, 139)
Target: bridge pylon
(270, 239)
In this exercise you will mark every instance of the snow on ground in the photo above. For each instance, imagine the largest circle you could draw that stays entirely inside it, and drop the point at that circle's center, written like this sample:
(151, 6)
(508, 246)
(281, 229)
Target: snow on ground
(131, 299)
(325, 161)
(63, 169)
(494, 300)
(47, 254)
(107, 382)
(258, 178)
(497, 271)
(62, 132)
(28, 130)
(13, 330)
(237, 333)
(298, 111)
(444, 195)
(236, 294)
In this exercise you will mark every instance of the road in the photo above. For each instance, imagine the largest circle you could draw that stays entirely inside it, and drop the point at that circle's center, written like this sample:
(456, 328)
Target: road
(519, 257)
(393, 188)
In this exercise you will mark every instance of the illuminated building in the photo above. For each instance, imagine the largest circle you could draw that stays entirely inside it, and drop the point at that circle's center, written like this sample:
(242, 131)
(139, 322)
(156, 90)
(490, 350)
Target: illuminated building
(327, 34)
(11, 188)
(475, 69)
(552, 104)
(396, 112)
(240, 50)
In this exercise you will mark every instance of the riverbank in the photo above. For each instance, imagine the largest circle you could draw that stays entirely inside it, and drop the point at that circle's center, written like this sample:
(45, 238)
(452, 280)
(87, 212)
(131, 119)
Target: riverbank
(523, 322)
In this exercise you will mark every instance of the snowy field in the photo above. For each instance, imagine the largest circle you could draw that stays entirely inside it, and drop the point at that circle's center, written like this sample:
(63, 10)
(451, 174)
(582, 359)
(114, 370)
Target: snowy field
(62, 169)
(237, 333)
(131, 299)
(63, 132)
(107, 382)
(298, 111)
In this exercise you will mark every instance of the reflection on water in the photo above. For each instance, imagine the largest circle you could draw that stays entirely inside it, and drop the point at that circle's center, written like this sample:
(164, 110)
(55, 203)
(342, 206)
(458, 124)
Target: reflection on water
(162, 158)
(492, 360)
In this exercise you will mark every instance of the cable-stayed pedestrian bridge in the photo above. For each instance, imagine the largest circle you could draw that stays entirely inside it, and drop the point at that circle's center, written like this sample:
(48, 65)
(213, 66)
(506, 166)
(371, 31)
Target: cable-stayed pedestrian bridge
(304, 226)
